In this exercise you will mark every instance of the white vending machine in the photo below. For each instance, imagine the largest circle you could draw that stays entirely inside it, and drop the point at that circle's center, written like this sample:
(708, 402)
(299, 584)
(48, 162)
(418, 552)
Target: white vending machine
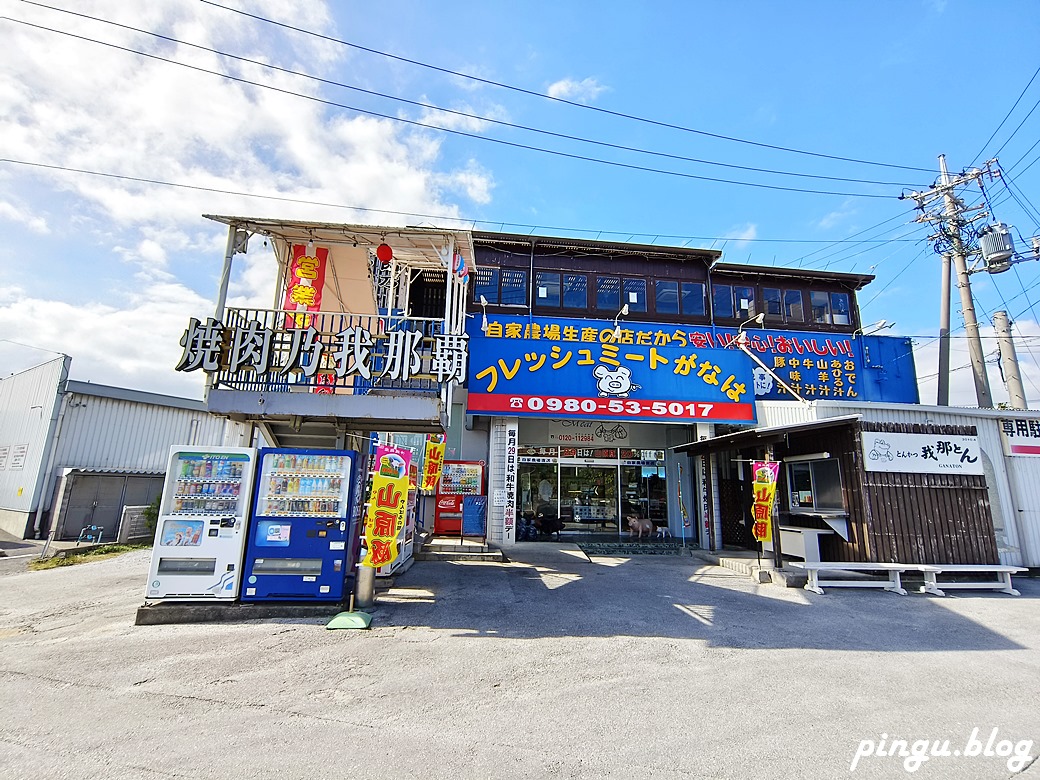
(201, 532)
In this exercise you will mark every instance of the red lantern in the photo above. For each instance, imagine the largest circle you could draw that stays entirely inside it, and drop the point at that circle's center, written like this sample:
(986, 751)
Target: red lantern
(384, 253)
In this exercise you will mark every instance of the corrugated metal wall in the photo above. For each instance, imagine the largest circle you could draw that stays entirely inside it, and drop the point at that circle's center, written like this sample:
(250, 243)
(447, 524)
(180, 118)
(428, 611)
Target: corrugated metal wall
(1024, 474)
(107, 433)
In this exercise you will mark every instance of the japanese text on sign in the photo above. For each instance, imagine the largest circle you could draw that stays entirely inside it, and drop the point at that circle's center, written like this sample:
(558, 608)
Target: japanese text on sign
(922, 453)
(764, 489)
(387, 505)
(1021, 436)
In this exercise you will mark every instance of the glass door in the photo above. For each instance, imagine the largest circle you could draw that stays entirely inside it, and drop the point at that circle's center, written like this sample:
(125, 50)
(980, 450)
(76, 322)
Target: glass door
(589, 500)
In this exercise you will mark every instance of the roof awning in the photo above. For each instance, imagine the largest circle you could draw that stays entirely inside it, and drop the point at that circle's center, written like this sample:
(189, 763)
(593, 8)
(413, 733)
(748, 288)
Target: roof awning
(771, 435)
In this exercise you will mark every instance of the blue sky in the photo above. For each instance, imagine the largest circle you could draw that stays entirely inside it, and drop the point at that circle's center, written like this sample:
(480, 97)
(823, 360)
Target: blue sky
(109, 270)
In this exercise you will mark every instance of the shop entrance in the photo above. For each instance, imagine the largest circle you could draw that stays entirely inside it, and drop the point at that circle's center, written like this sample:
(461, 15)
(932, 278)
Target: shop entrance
(586, 495)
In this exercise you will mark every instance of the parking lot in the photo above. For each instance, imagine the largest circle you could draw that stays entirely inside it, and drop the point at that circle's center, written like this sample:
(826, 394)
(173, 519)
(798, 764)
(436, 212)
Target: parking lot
(553, 665)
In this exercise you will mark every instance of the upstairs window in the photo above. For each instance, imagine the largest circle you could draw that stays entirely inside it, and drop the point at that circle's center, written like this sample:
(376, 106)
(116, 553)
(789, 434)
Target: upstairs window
(821, 307)
(666, 297)
(772, 302)
(635, 294)
(794, 306)
(744, 302)
(840, 309)
(513, 288)
(608, 294)
(722, 301)
(575, 291)
(547, 289)
(486, 284)
(693, 299)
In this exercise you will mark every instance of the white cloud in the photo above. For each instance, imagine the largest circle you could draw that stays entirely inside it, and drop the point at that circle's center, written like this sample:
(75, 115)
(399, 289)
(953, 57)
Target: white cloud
(35, 223)
(584, 91)
(837, 217)
(76, 104)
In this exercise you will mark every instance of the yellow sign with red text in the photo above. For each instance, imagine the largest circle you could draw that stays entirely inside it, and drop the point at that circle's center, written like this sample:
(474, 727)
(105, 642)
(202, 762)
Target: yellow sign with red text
(387, 505)
(764, 488)
(433, 462)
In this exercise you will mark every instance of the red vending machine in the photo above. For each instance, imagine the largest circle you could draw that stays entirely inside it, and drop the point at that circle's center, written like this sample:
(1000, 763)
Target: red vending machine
(459, 478)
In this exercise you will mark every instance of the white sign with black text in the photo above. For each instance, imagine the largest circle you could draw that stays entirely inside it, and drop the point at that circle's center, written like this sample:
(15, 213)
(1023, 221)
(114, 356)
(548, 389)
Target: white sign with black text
(922, 453)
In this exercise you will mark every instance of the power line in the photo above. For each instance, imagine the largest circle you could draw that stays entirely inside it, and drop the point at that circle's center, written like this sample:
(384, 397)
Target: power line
(575, 104)
(454, 112)
(1006, 116)
(412, 122)
(1015, 131)
(445, 218)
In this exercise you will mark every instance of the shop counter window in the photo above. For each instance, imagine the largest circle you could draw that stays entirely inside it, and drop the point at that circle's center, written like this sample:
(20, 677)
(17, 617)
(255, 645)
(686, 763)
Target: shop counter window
(815, 485)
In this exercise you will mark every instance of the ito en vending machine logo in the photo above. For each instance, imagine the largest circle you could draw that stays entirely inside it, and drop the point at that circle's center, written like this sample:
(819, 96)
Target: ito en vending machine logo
(764, 488)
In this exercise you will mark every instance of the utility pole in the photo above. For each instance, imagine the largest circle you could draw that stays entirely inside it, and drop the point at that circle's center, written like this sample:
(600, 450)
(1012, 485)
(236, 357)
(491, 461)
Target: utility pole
(944, 335)
(951, 220)
(1009, 361)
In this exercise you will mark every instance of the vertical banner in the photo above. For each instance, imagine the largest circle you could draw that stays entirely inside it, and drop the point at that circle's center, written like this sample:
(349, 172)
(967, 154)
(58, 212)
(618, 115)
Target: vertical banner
(764, 487)
(305, 281)
(512, 438)
(433, 461)
(387, 505)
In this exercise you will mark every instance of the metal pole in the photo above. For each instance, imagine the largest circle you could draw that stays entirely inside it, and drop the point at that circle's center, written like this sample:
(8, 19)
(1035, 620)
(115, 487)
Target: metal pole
(944, 335)
(225, 273)
(1009, 361)
(971, 325)
(778, 553)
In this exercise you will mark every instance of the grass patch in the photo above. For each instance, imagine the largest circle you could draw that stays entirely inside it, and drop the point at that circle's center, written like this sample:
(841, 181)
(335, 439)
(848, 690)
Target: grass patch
(71, 558)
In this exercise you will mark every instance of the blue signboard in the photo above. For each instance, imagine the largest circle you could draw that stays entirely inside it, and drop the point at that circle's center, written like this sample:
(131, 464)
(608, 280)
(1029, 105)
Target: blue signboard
(567, 368)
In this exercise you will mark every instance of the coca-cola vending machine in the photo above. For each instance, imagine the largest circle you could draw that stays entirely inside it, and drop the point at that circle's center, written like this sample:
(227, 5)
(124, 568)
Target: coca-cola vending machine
(459, 478)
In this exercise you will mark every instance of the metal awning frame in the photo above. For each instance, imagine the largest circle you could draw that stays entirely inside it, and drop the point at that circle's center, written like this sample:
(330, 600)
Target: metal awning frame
(762, 436)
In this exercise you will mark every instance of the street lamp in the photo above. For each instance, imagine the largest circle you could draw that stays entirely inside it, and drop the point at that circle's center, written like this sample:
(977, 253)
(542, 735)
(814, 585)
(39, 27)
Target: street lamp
(619, 315)
(741, 336)
(878, 326)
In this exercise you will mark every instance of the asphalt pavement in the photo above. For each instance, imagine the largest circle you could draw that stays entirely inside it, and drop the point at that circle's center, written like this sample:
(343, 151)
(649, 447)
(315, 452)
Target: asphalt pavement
(552, 665)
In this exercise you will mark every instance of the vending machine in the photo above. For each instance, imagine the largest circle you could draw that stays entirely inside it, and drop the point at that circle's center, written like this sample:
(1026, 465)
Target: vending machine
(301, 526)
(201, 530)
(459, 478)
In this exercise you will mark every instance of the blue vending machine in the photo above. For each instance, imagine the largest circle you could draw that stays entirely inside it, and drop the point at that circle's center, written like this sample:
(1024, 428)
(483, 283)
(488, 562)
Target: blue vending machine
(300, 530)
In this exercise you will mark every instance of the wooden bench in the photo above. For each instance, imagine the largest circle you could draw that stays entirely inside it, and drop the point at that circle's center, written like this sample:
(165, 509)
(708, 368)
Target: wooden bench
(893, 570)
(1001, 583)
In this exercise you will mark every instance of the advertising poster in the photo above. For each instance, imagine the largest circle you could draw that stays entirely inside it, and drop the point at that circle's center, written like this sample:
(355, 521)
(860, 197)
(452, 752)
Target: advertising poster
(434, 461)
(585, 369)
(764, 488)
(387, 505)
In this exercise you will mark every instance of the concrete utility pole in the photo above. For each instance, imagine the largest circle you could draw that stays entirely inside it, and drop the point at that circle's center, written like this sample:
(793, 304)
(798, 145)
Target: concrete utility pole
(944, 335)
(951, 220)
(1009, 360)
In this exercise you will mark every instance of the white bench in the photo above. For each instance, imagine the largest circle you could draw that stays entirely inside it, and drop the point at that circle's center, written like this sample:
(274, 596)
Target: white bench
(1001, 583)
(893, 570)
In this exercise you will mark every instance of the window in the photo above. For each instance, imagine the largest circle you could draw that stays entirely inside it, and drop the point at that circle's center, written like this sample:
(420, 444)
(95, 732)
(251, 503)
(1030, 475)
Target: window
(547, 289)
(794, 307)
(486, 284)
(608, 293)
(815, 484)
(821, 307)
(840, 309)
(722, 300)
(575, 291)
(666, 297)
(514, 287)
(635, 294)
(745, 302)
(693, 299)
(772, 300)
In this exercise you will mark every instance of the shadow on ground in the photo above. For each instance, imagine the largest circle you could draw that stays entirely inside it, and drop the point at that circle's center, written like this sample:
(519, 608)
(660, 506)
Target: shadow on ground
(555, 590)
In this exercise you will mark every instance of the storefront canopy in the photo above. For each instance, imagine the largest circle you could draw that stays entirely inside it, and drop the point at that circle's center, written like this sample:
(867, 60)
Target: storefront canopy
(759, 436)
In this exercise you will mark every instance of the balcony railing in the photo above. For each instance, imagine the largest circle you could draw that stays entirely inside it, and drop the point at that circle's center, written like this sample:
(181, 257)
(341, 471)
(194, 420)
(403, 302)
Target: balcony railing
(329, 353)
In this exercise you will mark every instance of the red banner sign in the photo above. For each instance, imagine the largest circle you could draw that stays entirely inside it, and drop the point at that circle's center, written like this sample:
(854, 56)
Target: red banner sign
(306, 278)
